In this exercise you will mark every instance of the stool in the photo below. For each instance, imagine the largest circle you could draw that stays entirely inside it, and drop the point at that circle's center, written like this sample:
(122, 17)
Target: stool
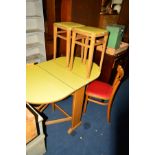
(63, 30)
(93, 37)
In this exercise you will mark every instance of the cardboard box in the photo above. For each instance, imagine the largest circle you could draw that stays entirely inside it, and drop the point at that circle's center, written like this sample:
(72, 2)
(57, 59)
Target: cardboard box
(35, 138)
(31, 129)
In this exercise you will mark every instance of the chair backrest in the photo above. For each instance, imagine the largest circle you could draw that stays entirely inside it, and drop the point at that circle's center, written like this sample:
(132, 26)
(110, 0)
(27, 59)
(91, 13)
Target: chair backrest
(117, 80)
(119, 76)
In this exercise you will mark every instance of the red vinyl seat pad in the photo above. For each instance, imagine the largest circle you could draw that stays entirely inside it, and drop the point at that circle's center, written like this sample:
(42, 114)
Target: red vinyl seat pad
(99, 89)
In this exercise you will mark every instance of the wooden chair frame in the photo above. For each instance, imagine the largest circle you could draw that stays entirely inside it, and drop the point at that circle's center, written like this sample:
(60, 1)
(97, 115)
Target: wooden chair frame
(116, 82)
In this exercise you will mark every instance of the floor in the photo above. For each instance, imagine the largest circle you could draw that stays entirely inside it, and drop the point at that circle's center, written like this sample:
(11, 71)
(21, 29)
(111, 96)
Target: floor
(95, 136)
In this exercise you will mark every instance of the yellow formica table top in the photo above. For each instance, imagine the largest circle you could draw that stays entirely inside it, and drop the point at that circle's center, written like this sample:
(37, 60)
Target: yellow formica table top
(52, 81)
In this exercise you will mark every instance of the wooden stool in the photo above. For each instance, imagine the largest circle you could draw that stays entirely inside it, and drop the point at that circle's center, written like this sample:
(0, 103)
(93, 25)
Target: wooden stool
(63, 31)
(93, 37)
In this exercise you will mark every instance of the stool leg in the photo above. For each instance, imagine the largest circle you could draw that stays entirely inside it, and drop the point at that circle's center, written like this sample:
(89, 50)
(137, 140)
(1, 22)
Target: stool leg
(72, 50)
(68, 44)
(103, 50)
(82, 50)
(86, 50)
(90, 57)
(55, 41)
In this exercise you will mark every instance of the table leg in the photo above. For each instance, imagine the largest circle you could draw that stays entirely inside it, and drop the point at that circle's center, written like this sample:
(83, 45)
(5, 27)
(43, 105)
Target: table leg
(77, 109)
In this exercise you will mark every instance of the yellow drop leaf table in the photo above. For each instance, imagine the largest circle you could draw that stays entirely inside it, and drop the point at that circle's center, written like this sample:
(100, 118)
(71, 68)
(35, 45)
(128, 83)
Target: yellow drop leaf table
(51, 81)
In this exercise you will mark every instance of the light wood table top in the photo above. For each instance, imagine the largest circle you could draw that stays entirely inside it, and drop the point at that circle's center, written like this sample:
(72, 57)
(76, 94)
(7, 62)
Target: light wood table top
(52, 81)
(42, 88)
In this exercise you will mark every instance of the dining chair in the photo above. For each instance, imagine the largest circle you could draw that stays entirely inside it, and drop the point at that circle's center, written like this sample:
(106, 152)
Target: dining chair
(98, 92)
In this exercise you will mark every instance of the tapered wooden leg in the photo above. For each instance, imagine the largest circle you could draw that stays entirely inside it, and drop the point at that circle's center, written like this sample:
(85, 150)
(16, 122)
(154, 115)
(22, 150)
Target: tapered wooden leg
(77, 109)
(90, 58)
(68, 44)
(55, 42)
(72, 50)
(85, 104)
(109, 111)
(103, 49)
(86, 50)
(82, 50)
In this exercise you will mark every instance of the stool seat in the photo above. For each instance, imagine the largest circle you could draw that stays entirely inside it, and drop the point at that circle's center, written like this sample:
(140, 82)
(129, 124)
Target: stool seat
(91, 30)
(67, 25)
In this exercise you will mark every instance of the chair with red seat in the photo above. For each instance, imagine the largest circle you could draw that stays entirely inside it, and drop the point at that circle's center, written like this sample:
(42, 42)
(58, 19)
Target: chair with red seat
(98, 91)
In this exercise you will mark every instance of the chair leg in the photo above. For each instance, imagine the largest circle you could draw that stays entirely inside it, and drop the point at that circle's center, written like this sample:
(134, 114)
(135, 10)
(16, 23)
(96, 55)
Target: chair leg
(85, 104)
(109, 111)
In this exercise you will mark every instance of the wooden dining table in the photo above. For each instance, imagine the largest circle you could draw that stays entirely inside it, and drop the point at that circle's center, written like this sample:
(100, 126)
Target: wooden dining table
(52, 81)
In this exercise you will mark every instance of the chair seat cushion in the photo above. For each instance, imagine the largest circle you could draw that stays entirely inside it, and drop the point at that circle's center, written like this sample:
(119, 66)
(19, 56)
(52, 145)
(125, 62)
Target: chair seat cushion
(99, 89)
